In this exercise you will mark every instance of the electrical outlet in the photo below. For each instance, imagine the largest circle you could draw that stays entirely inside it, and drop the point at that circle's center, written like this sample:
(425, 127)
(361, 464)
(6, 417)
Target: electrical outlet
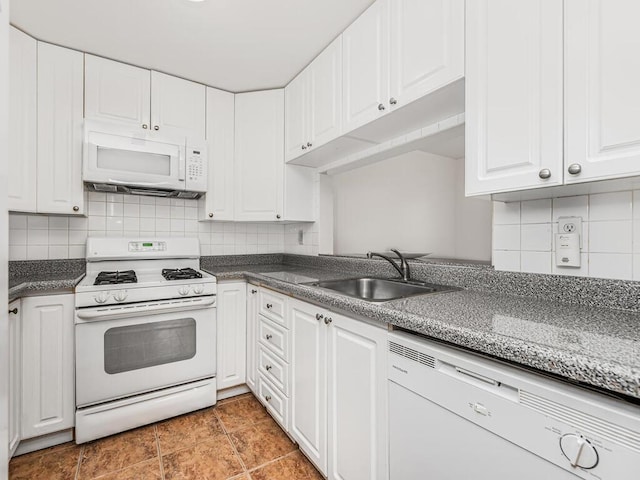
(300, 237)
(571, 225)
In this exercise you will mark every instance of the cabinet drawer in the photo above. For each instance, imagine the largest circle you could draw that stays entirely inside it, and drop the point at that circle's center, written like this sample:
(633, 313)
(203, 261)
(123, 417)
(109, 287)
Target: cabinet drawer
(277, 404)
(274, 337)
(273, 306)
(274, 369)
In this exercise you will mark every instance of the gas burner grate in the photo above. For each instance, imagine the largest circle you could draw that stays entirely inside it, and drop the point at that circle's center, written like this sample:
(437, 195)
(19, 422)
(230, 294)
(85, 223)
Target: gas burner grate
(180, 273)
(114, 278)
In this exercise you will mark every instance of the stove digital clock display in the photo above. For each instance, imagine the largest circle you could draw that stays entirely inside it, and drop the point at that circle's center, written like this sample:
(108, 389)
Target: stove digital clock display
(147, 246)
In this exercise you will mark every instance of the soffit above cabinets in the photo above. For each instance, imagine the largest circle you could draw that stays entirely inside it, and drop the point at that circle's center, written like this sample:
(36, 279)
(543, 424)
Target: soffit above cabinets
(235, 45)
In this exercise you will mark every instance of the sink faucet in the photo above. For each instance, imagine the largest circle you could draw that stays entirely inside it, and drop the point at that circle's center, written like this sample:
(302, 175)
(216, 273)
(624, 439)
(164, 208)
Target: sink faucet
(403, 269)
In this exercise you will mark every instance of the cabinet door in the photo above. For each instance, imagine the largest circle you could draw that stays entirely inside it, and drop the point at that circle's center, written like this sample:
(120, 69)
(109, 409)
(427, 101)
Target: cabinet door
(60, 106)
(21, 187)
(309, 382)
(296, 131)
(252, 337)
(259, 161)
(357, 400)
(231, 334)
(217, 204)
(15, 372)
(365, 51)
(48, 395)
(602, 98)
(117, 92)
(427, 47)
(325, 95)
(513, 95)
(177, 107)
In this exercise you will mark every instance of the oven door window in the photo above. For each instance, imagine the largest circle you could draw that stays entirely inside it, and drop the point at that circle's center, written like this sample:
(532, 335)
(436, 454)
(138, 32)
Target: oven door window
(145, 345)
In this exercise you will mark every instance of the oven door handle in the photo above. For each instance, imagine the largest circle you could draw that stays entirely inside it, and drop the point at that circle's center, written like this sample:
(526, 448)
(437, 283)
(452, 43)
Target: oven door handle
(135, 310)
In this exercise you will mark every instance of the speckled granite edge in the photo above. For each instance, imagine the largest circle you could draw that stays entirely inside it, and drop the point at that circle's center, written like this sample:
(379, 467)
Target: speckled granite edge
(591, 292)
(44, 287)
(576, 367)
(44, 277)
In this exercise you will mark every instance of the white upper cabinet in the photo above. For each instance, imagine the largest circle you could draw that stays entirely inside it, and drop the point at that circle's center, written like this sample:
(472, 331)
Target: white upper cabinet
(144, 99)
(259, 155)
(23, 125)
(365, 67)
(60, 108)
(513, 95)
(313, 103)
(177, 106)
(325, 96)
(116, 91)
(426, 47)
(602, 98)
(217, 204)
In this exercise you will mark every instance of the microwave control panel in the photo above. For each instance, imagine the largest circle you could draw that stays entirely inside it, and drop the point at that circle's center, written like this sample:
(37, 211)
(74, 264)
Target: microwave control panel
(196, 168)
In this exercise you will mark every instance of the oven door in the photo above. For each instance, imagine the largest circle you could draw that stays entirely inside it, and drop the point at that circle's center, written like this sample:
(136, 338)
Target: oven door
(128, 355)
(122, 160)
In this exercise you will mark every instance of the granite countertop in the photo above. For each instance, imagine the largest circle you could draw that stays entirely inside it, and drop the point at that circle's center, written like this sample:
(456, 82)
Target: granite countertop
(46, 284)
(593, 346)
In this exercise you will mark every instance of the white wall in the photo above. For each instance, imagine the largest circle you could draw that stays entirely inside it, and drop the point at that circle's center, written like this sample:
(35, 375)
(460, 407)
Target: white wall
(414, 202)
(523, 235)
(4, 325)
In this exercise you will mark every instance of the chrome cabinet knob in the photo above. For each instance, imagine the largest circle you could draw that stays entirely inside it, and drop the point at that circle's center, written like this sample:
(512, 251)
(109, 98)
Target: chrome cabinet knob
(14, 311)
(328, 320)
(309, 144)
(267, 398)
(145, 126)
(380, 107)
(544, 173)
(269, 305)
(254, 291)
(211, 215)
(574, 168)
(268, 367)
(76, 208)
(393, 101)
(156, 128)
(319, 316)
(304, 147)
(278, 216)
(268, 336)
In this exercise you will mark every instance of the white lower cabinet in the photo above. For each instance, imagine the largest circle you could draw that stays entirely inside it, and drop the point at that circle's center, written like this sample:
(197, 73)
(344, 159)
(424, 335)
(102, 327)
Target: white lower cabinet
(15, 374)
(252, 331)
(231, 334)
(48, 393)
(338, 394)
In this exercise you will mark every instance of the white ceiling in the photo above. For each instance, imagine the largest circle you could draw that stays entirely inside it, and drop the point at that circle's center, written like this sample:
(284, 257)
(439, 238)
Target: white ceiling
(236, 45)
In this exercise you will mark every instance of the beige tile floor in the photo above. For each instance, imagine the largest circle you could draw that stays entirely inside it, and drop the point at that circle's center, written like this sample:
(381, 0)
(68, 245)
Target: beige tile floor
(236, 439)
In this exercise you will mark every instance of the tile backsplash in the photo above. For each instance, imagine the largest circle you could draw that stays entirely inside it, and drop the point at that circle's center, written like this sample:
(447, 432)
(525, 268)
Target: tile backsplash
(523, 235)
(41, 237)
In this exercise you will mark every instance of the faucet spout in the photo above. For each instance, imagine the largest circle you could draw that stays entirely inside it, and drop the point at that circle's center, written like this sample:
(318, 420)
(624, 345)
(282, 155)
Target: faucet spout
(402, 269)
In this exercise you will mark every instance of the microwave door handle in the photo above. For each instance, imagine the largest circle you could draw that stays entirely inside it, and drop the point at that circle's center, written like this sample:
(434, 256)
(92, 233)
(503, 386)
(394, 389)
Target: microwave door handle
(182, 163)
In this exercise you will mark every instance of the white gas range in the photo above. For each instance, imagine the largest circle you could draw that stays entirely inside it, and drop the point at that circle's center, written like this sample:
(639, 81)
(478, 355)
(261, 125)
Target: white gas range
(145, 334)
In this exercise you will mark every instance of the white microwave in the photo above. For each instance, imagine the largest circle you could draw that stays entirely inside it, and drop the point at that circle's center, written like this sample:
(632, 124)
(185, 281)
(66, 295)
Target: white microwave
(116, 160)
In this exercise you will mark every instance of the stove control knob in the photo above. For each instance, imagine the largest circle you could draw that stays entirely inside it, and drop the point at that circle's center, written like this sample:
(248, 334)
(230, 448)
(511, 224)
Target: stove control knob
(101, 297)
(184, 290)
(579, 451)
(120, 296)
(198, 289)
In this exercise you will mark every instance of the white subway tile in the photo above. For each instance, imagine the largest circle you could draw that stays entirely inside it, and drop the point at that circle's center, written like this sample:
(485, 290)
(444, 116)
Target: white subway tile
(177, 202)
(147, 200)
(147, 211)
(17, 252)
(611, 206)
(59, 237)
(163, 211)
(164, 202)
(177, 225)
(131, 210)
(115, 198)
(37, 222)
(177, 212)
(37, 237)
(147, 224)
(536, 211)
(77, 237)
(131, 224)
(506, 237)
(77, 251)
(97, 208)
(610, 237)
(37, 252)
(611, 265)
(191, 226)
(17, 236)
(114, 224)
(97, 223)
(217, 238)
(18, 221)
(229, 249)
(58, 223)
(131, 199)
(97, 197)
(506, 213)
(536, 237)
(536, 262)
(78, 223)
(114, 209)
(58, 251)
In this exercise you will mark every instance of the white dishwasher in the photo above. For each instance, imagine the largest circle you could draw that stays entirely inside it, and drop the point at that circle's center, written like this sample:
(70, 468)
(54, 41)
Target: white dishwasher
(454, 415)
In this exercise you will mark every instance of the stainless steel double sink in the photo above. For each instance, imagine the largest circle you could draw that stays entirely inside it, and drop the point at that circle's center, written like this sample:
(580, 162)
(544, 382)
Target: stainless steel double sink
(380, 289)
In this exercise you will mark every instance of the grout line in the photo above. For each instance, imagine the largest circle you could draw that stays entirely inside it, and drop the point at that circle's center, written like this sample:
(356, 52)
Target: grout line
(235, 450)
(79, 463)
(155, 431)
